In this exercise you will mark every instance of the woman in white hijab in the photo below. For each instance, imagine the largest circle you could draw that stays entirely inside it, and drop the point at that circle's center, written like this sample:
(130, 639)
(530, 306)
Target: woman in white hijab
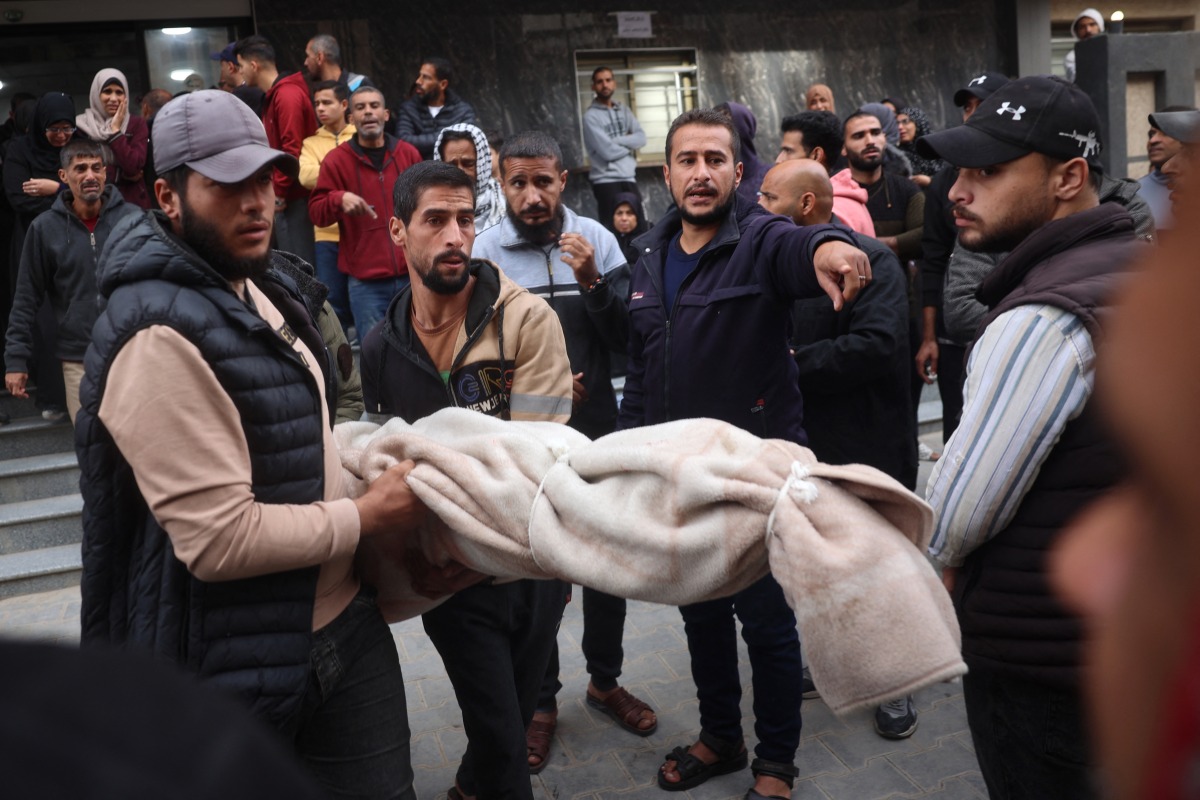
(108, 120)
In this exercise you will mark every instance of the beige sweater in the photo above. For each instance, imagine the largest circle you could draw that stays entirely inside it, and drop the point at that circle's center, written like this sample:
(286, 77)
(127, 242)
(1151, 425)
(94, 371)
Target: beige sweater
(676, 513)
(181, 434)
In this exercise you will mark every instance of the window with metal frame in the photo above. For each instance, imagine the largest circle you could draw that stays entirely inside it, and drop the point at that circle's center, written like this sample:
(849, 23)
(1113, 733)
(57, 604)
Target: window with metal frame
(656, 84)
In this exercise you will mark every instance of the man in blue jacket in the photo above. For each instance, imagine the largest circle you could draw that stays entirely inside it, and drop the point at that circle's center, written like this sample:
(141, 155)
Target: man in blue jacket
(709, 307)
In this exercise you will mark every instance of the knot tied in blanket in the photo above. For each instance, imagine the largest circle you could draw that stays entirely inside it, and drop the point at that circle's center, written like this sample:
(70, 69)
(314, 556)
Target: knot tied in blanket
(675, 513)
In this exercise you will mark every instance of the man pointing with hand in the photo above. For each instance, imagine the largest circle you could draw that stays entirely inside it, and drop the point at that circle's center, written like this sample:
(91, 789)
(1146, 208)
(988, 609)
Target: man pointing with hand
(708, 317)
(354, 190)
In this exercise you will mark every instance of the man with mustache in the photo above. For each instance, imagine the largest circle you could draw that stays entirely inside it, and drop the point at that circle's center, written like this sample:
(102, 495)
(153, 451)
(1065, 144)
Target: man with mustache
(1162, 147)
(1030, 451)
(709, 315)
(896, 204)
(59, 260)
(578, 267)
(464, 335)
(354, 190)
(432, 107)
(217, 533)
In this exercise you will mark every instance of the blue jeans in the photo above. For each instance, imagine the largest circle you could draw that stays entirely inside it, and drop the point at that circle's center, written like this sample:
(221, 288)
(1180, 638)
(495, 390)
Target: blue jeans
(335, 280)
(369, 300)
(769, 628)
(352, 728)
(1031, 740)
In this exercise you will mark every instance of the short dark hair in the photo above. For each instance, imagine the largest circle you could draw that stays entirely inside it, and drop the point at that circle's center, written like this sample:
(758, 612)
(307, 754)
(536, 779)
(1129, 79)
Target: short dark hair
(453, 136)
(155, 99)
(423, 175)
(364, 90)
(598, 70)
(340, 90)
(819, 129)
(255, 48)
(177, 178)
(709, 117)
(441, 68)
(84, 148)
(532, 144)
(324, 43)
(856, 115)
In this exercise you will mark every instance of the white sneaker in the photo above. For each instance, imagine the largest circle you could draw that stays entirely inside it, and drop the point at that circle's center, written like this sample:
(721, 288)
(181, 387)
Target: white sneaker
(926, 453)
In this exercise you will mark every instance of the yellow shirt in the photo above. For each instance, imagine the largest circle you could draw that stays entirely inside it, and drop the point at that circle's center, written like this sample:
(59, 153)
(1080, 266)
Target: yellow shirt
(312, 153)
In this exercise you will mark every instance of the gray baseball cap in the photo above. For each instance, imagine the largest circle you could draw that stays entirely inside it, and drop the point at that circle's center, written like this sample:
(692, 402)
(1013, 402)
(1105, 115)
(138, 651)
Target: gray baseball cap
(1181, 125)
(217, 135)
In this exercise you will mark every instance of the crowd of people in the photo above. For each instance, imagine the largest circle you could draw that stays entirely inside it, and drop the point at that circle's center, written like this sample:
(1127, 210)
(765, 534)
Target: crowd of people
(231, 246)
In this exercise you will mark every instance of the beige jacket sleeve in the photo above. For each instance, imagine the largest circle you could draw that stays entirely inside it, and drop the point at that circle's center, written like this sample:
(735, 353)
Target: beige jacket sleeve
(181, 434)
(541, 384)
(310, 162)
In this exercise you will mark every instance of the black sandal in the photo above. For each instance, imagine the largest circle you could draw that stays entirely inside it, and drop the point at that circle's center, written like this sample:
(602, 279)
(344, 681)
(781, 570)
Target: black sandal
(774, 769)
(731, 756)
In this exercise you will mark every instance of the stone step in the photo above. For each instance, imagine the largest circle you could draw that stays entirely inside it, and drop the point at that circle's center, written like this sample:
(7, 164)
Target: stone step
(40, 570)
(34, 436)
(32, 525)
(35, 477)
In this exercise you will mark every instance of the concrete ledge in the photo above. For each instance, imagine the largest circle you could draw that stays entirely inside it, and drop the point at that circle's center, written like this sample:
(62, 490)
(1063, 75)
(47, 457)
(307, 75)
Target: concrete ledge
(40, 570)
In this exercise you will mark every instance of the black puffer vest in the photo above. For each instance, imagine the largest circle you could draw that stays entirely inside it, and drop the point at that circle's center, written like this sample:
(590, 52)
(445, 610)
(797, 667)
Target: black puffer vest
(249, 636)
(1011, 620)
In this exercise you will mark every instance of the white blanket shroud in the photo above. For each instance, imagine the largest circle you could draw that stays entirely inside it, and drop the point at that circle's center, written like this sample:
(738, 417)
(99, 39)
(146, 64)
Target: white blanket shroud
(675, 513)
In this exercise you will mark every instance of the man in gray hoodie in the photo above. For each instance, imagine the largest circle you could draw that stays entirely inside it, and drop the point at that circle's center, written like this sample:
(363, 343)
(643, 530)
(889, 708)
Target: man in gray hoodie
(59, 261)
(611, 134)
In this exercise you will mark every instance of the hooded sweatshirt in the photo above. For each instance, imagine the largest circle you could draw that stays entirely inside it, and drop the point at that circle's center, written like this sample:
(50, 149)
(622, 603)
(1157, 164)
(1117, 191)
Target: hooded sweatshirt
(850, 203)
(59, 261)
(489, 197)
(1069, 60)
(753, 168)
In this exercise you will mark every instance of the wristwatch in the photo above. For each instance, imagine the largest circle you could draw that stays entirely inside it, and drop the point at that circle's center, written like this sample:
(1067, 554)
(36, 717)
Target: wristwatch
(595, 285)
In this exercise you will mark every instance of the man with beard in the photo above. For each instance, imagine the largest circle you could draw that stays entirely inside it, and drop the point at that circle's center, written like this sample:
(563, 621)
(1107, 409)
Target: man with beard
(464, 335)
(432, 107)
(896, 204)
(59, 261)
(611, 135)
(709, 315)
(354, 190)
(1029, 185)
(217, 534)
(323, 62)
(578, 267)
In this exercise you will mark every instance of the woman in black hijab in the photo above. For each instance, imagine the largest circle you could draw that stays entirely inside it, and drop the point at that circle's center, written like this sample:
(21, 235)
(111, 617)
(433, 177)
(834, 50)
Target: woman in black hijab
(31, 186)
(31, 169)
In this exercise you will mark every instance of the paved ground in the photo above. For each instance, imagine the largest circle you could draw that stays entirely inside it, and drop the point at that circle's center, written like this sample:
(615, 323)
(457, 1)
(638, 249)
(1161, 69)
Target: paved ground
(592, 759)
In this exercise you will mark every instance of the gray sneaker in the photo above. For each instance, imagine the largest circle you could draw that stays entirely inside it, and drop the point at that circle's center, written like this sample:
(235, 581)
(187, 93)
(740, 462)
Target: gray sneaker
(808, 689)
(896, 719)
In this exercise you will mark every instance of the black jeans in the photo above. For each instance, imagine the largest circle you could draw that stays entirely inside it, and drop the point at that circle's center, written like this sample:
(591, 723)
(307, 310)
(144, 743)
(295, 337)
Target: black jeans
(1031, 740)
(603, 630)
(495, 642)
(352, 728)
(769, 628)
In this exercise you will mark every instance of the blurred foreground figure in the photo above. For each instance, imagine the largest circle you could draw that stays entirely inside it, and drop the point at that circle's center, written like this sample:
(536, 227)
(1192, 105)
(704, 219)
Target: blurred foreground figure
(1130, 565)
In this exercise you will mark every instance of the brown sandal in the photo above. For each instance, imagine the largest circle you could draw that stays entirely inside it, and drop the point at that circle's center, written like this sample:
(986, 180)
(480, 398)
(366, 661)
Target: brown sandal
(625, 709)
(537, 742)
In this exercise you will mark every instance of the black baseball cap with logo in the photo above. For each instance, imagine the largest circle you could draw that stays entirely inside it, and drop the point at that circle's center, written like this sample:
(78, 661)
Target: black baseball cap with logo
(980, 86)
(1037, 114)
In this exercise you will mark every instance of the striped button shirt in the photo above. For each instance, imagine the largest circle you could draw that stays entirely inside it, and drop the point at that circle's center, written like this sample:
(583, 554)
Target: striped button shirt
(1030, 374)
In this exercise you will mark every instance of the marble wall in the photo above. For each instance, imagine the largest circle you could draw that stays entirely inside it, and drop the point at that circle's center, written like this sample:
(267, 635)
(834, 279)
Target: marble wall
(515, 60)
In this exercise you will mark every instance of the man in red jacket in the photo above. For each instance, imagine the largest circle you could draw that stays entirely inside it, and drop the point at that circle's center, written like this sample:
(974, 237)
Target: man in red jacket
(355, 191)
(289, 118)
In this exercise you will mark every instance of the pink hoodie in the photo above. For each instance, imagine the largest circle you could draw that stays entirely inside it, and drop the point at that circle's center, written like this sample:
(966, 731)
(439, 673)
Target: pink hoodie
(850, 203)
